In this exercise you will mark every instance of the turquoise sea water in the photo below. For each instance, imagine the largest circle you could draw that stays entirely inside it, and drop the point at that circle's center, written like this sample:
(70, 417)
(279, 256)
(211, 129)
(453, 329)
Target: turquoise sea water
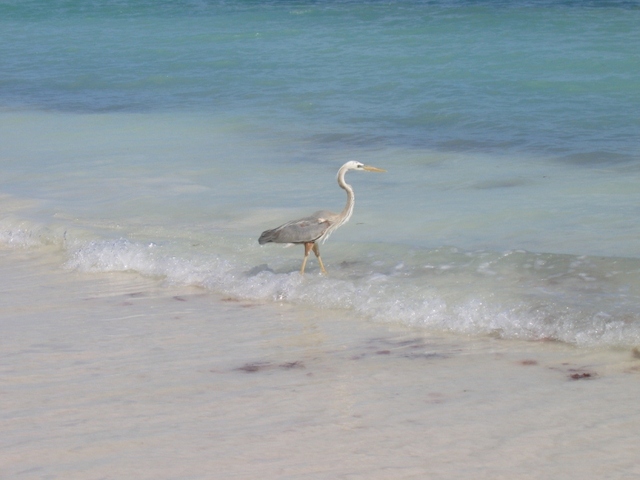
(164, 137)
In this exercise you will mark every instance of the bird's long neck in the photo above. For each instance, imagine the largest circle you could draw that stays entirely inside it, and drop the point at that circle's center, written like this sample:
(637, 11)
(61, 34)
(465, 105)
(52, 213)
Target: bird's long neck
(346, 213)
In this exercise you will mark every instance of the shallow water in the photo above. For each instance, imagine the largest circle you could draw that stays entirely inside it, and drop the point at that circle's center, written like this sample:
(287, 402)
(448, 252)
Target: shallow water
(447, 263)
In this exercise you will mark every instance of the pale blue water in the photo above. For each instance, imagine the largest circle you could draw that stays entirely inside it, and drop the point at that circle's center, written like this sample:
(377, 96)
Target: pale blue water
(163, 137)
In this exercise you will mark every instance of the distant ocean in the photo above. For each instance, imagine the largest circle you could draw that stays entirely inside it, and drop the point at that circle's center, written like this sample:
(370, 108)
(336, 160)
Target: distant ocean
(162, 137)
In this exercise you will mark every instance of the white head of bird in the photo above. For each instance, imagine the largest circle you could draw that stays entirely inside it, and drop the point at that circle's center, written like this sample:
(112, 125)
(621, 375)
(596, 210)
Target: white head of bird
(317, 227)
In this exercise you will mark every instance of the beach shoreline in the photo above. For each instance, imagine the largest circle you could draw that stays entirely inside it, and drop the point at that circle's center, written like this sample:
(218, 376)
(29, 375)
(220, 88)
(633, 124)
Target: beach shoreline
(117, 375)
(481, 313)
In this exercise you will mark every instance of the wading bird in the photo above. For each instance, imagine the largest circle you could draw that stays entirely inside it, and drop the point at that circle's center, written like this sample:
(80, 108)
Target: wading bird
(317, 227)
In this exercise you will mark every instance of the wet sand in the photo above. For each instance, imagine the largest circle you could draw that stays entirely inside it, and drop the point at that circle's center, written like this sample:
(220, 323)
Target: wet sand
(109, 376)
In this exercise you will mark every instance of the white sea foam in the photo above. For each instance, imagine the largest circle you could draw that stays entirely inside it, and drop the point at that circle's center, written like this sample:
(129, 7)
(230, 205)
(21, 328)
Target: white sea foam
(475, 295)
(24, 234)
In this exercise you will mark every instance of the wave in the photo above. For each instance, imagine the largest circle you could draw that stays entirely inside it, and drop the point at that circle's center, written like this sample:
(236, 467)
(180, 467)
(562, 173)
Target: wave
(585, 301)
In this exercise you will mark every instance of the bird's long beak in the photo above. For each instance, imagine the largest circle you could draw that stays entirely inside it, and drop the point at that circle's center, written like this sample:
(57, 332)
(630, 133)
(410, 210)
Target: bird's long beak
(373, 169)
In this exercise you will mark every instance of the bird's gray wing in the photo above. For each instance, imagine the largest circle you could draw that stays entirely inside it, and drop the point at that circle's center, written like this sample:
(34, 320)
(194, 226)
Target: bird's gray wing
(307, 229)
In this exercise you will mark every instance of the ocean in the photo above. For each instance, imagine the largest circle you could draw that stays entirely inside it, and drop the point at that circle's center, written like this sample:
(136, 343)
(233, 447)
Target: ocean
(481, 312)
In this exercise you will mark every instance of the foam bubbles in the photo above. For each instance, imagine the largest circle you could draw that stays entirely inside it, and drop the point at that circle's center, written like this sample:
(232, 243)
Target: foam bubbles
(20, 233)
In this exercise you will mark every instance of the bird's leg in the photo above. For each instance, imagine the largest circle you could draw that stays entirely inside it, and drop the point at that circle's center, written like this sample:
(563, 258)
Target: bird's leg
(307, 248)
(316, 250)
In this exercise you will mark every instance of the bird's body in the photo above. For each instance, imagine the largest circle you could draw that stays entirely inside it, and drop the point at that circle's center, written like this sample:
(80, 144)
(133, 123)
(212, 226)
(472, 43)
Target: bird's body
(305, 229)
(317, 227)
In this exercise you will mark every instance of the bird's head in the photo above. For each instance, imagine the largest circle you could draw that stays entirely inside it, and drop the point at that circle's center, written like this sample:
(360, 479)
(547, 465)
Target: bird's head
(353, 165)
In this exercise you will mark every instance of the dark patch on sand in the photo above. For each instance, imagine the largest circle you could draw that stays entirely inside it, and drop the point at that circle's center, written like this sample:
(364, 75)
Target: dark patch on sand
(576, 373)
(635, 353)
(528, 362)
(262, 366)
(290, 365)
(426, 355)
(237, 300)
(179, 298)
(255, 367)
(411, 348)
(582, 376)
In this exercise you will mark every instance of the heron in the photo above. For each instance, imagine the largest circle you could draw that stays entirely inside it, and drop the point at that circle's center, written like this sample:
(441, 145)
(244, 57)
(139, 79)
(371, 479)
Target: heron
(317, 227)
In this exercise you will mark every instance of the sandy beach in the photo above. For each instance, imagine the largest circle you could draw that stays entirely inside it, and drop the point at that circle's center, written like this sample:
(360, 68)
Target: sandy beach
(118, 376)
